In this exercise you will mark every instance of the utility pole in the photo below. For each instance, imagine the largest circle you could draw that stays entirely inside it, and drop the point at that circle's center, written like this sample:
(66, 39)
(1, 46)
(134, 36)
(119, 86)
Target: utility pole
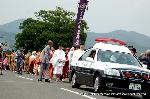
(81, 10)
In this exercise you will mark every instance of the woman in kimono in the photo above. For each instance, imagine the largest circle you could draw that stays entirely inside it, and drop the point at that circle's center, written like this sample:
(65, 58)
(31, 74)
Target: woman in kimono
(58, 61)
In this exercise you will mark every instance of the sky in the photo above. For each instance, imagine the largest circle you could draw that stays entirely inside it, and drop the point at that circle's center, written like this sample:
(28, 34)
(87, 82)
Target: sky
(102, 16)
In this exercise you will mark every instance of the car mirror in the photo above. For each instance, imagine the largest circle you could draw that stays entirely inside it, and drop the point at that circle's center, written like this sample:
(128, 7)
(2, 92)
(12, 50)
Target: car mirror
(89, 59)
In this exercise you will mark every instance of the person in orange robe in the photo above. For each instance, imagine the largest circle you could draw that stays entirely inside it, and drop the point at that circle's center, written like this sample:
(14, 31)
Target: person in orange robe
(26, 65)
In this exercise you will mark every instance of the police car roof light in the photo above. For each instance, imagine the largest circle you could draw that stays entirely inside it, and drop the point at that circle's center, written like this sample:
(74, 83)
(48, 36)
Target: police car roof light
(105, 40)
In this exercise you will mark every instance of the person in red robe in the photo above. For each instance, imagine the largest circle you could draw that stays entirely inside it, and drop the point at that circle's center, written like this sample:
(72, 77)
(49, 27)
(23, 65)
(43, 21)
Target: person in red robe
(32, 62)
(66, 66)
(37, 63)
(51, 66)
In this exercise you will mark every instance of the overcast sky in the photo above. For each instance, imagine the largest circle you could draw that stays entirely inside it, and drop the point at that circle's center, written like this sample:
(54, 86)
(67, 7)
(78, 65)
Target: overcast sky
(102, 16)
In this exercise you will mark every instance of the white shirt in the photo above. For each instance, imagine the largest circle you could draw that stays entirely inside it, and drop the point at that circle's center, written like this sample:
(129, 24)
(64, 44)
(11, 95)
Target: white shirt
(77, 54)
(70, 55)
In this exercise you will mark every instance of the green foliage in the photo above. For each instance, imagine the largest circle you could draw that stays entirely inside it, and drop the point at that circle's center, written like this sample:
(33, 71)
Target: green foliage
(57, 25)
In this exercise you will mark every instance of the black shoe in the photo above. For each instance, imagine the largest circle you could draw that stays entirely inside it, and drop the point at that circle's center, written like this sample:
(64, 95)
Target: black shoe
(47, 80)
(39, 80)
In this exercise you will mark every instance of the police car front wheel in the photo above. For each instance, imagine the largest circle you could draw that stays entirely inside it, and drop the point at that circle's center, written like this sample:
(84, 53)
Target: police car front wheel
(98, 85)
(74, 82)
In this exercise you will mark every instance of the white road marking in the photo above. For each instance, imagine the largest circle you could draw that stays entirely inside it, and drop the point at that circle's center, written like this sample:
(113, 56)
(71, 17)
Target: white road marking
(30, 79)
(24, 77)
(27, 78)
(77, 93)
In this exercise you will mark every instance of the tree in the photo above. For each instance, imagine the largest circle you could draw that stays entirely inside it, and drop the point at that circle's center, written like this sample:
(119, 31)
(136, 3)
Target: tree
(57, 25)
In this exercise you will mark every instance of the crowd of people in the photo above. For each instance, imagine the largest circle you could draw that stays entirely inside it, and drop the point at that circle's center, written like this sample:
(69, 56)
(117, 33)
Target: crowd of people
(49, 62)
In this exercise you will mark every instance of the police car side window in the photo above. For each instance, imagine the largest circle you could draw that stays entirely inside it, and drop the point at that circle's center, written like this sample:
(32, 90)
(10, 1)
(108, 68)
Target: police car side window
(85, 55)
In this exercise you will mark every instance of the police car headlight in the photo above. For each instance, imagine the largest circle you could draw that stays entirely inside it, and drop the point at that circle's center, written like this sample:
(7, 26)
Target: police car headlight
(112, 72)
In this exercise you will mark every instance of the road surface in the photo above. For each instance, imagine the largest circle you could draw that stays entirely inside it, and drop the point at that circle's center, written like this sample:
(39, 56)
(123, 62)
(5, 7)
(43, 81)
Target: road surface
(26, 86)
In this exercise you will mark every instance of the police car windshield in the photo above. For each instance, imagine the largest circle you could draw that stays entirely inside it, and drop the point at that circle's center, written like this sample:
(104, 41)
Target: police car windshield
(117, 57)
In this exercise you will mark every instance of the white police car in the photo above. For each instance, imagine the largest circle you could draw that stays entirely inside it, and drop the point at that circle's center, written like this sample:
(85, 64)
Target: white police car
(109, 66)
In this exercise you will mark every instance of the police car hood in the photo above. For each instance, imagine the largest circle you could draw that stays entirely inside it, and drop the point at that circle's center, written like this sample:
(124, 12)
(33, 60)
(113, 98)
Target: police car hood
(107, 65)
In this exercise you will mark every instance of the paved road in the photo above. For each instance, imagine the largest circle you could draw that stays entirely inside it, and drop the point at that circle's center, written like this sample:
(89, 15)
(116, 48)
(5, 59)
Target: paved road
(14, 86)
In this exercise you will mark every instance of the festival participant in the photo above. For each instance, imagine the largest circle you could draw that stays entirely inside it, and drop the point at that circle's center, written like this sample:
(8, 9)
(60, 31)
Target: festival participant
(5, 62)
(31, 62)
(66, 66)
(11, 60)
(27, 59)
(45, 60)
(78, 53)
(14, 61)
(20, 60)
(51, 66)
(37, 63)
(58, 61)
(70, 55)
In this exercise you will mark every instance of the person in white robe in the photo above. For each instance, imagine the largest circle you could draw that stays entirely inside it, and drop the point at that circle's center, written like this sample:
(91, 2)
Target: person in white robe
(70, 55)
(58, 61)
(78, 53)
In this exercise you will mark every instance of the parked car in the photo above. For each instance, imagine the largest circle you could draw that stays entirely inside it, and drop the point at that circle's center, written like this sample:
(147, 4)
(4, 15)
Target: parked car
(110, 66)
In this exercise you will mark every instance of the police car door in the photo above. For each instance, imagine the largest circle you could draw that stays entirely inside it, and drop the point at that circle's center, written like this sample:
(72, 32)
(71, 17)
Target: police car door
(84, 71)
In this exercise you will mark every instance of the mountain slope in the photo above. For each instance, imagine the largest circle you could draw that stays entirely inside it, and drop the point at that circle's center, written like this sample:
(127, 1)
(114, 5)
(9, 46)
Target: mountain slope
(9, 30)
(139, 41)
(11, 27)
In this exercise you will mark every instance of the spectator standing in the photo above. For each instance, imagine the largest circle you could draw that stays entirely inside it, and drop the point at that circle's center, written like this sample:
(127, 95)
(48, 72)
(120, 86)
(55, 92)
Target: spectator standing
(45, 60)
